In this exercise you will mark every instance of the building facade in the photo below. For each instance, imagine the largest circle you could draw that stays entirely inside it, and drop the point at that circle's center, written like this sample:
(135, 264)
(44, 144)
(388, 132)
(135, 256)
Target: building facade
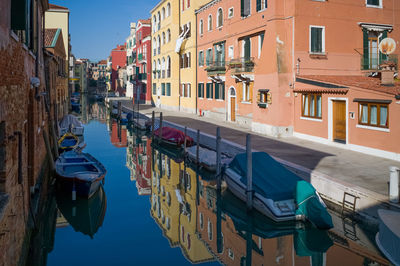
(265, 77)
(118, 60)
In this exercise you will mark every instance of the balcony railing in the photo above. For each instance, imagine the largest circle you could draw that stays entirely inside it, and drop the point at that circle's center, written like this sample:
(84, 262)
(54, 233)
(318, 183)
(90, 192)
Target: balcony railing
(141, 57)
(374, 63)
(215, 67)
(242, 65)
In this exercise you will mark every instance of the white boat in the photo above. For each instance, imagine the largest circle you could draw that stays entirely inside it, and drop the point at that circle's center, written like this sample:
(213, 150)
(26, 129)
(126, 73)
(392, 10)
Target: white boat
(388, 237)
(70, 123)
(277, 192)
(207, 158)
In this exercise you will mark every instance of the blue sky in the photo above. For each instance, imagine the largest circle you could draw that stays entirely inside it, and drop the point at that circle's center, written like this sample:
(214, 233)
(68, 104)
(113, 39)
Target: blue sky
(98, 26)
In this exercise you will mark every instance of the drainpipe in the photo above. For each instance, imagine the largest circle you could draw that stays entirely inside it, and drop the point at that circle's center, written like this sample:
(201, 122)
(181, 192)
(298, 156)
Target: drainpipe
(179, 54)
(197, 87)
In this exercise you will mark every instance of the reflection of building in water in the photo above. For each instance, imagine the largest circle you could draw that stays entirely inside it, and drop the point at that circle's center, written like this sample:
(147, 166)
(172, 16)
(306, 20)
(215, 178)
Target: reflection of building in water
(118, 135)
(99, 112)
(61, 221)
(270, 246)
(173, 206)
(138, 161)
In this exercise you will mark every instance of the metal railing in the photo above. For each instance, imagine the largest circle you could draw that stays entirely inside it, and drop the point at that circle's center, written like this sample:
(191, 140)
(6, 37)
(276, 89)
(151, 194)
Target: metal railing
(374, 63)
(242, 64)
(215, 67)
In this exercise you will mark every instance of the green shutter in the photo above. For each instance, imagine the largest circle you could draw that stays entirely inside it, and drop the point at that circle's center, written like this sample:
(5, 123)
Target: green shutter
(19, 12)
(259, 5)
(223, 90)
(382, 57)
(211, 90)
(262, 39)
(365, 49)
(216, 91)
(163, 89)
(247, 51)
(199, 90)
(242, 8)
(168, 89)
(208, 90)
(223, 54)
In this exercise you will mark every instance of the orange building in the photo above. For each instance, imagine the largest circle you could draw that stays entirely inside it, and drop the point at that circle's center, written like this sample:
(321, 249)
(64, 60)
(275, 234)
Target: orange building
(305, 68)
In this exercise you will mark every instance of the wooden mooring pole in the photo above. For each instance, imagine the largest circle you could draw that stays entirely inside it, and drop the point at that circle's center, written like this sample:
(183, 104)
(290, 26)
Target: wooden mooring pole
(161, 125)
(249, 191)
(119, 109)
(198, 147)
(184, 143)
(152, 125)
(218, 163)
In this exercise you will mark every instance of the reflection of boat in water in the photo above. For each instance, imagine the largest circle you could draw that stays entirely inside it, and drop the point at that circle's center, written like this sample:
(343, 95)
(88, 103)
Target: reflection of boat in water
(207, 158)
(388, 237)
(173, 137)
(84, 215)
(279, 194)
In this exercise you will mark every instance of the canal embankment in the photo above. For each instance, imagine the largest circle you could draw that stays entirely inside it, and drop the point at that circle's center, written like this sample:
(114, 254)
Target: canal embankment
(339, 175)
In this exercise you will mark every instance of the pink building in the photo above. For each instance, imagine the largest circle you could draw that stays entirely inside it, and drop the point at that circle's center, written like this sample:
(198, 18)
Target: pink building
(118, 60)
(303, 68)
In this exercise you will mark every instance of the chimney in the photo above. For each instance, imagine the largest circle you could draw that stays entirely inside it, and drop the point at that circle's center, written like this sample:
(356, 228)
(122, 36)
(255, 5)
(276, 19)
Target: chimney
(387, 73)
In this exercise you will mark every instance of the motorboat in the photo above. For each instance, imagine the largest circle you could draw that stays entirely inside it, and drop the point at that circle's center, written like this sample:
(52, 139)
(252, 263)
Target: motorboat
(207, 158)
(388, 237)
(71, 123)
(79, 172)
(278, 193)
(173, 137)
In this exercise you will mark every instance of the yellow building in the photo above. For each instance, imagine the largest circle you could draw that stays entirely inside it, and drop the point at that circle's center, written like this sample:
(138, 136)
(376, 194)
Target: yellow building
(174, 54)
(173, 206)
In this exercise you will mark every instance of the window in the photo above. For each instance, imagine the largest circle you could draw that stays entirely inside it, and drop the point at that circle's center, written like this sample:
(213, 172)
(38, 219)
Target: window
(188, 3)
(163, 13)
(154, 69)
(209, 27)
(201, 58)
(261, 5)
(163, 89)
(230, 12)
(168, 37)
(220, 91)
(373, 114)
(246, 52)
(185, 90)
(317, 39)
(168, 9)
(200, 90)
(245, 8)
(168, 67)
(23, 22)
(220, 18)
(168, 89)
(209, 230)
(311, 105)
(260, 43)
(163, 38)
(246, 92)
(201, 221)
(230, 52)
(201, 26)
(154, 89)
(209, 57)
(209, 90)
(374, 3)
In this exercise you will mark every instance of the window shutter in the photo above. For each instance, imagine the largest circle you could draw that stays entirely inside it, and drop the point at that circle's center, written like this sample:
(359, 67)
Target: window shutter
(365, 49)
(258, 5)
(19, 11)
(382, 57)
(246, 7)
(223, 90)
(242, 8)
(216, 91)
(211, 89)
(247, 51)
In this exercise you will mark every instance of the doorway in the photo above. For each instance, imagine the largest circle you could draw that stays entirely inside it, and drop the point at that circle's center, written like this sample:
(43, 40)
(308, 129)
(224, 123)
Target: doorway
(232, 104)
(339, 121)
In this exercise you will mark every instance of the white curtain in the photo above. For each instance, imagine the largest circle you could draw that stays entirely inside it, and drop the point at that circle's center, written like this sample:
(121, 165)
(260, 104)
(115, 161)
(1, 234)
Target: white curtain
(383, 116)
(312, 106)
(305, 104)
(319, 111)
(374, 112)
(364, 112)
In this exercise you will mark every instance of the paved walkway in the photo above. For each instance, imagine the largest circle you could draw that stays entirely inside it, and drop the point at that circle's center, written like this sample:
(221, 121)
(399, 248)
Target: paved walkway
(365, 171)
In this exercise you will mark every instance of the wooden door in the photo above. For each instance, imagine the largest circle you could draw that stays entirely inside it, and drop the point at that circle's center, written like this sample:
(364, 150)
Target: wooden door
(339, 121)
(233, 115)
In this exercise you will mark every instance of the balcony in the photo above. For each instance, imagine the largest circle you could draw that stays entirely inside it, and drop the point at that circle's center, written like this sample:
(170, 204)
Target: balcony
(141, 57)
(373, 64)
(216, 68)
(242, 65)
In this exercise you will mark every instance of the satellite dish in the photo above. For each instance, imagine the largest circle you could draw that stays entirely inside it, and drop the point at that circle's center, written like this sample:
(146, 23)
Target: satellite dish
(387, 46)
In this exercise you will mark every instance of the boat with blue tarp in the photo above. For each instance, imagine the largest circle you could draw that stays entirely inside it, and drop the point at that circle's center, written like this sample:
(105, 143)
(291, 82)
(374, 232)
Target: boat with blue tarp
(68, 142)
(79, 172)
(277, 192)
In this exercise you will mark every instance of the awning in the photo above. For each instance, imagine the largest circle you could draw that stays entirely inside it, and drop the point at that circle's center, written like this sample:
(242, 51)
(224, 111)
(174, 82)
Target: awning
(321, 90)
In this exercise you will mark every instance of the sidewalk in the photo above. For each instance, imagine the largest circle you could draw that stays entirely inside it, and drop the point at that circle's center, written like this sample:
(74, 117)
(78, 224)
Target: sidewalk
(331, 170)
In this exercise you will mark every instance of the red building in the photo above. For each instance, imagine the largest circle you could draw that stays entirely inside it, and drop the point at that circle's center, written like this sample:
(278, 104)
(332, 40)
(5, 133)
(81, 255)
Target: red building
(118, 60)
(143, 60)
(118, 135)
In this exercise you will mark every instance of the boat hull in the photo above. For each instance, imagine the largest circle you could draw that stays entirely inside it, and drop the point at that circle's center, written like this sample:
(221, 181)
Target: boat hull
(259, 202)
(84, 189)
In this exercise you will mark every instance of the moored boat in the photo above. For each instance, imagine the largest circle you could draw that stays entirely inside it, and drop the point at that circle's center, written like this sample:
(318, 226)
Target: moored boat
(207, 158)
(173, 137)
(68, 142)
(70, 123)
(79, 172)
(388, 237)
(277, 192)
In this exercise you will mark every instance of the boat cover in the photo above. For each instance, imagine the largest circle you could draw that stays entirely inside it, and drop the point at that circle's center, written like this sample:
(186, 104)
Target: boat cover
(174, 135)
(70, 120)
(388, 238)
(270, 179)
(206, 156)
(309, 205)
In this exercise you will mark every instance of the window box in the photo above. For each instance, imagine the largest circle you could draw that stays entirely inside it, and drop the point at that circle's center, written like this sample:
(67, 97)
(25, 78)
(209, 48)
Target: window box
(262, 104)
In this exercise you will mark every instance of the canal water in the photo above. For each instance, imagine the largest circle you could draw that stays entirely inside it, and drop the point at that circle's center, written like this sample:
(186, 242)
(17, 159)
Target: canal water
(155, 209)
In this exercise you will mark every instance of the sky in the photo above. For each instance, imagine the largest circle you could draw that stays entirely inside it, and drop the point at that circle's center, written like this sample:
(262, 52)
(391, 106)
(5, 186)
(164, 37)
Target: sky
(97, 26)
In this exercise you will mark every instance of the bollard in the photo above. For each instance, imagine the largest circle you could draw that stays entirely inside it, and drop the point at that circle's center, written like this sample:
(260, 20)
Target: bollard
(160, 132)
(152, 125)
(394, 184)
(249, 191)
(218, 162)
(198, 147)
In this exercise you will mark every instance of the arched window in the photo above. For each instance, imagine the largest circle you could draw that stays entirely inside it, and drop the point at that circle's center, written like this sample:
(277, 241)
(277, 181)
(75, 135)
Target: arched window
(201, 26)
(163, 13)
(154, 23)
(220, 18)
(154, 69)
(158, 20)
(168, 9)
(163, 68)
(158, 44)
(158, 68)
(163, 38)
(154, 46)
(144, 68)
(168, 67)
(209, 23)
(168, 35)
